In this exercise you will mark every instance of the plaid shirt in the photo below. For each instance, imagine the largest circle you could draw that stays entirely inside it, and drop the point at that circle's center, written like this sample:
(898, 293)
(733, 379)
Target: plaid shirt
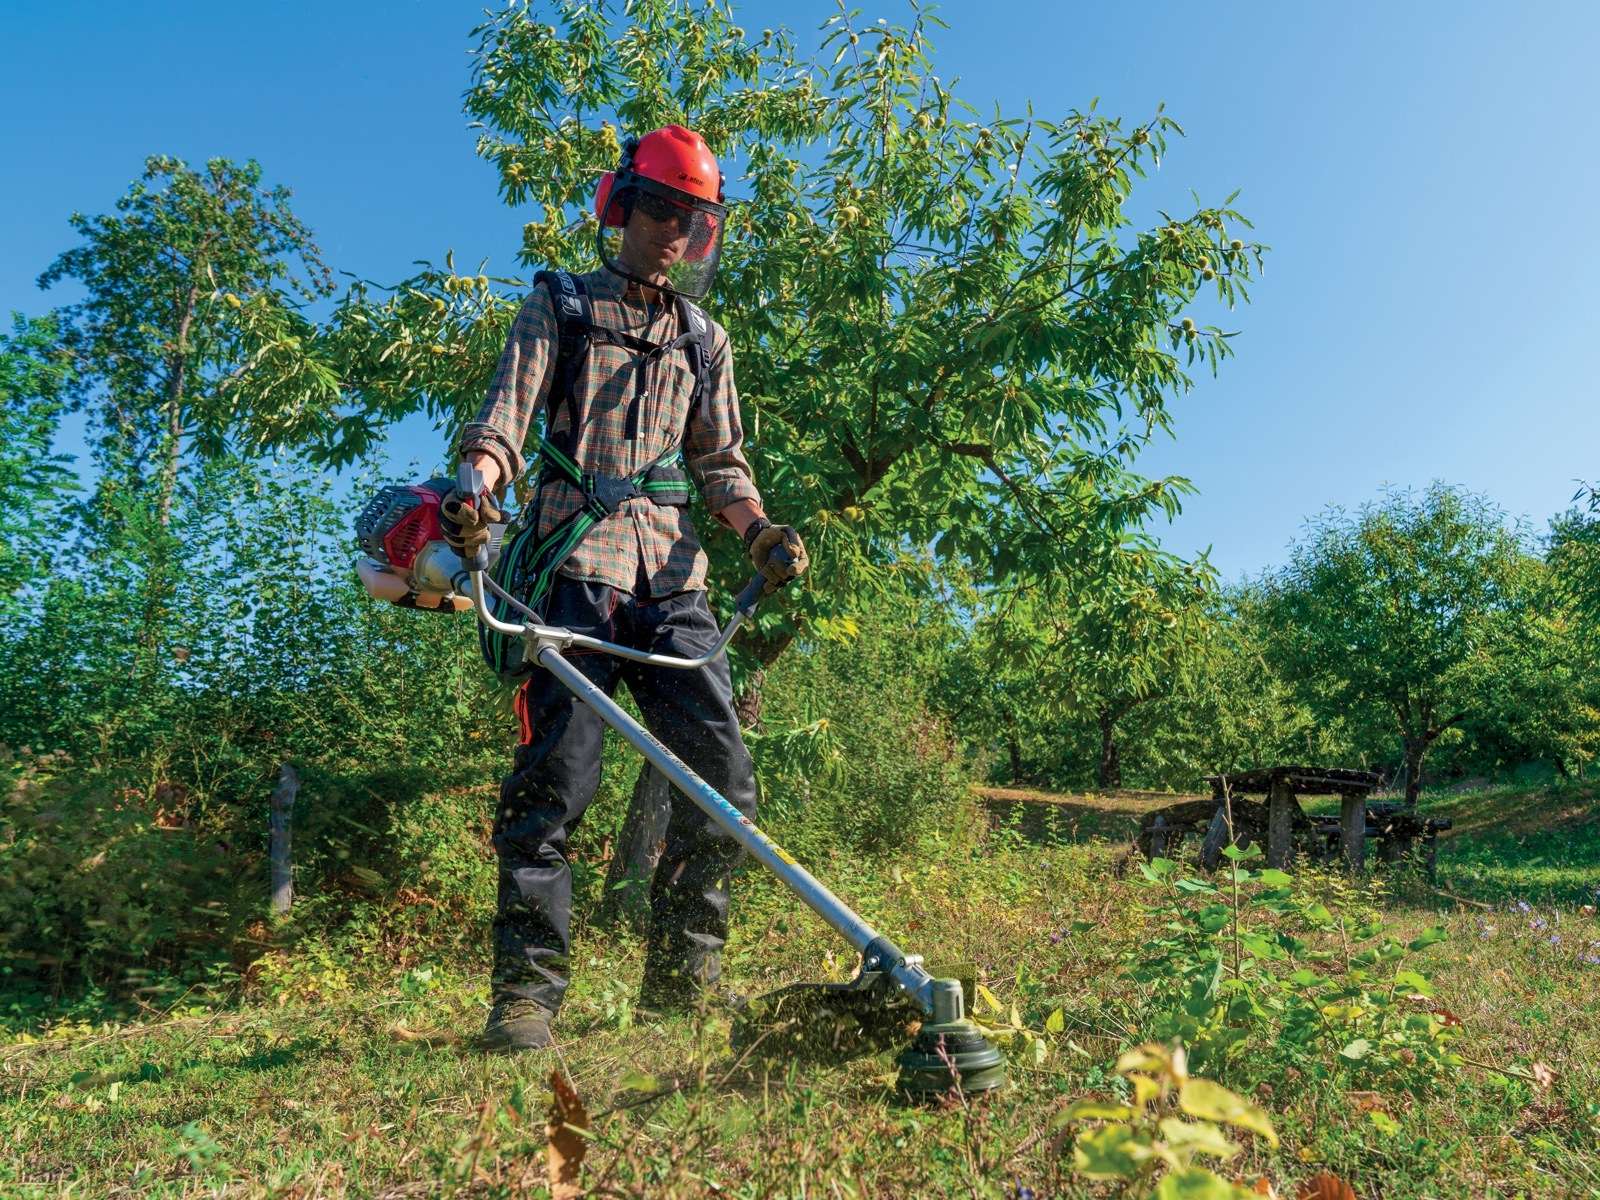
(640, 539)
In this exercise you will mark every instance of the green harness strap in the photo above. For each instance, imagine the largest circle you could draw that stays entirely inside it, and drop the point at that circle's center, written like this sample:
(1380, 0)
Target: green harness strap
(527, 565)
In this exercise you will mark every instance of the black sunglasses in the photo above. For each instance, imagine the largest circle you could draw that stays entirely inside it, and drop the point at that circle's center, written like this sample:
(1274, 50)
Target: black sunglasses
(659, 208)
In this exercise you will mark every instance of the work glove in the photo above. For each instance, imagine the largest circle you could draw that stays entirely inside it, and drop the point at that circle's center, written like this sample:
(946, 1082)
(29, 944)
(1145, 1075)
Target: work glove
(465, 522)
(761, 539)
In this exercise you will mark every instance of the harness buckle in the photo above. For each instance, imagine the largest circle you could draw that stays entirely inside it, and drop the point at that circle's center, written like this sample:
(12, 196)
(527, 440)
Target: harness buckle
(604, 494)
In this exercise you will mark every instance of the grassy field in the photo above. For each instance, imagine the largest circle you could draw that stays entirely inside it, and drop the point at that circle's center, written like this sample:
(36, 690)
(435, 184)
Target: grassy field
(350, 1070)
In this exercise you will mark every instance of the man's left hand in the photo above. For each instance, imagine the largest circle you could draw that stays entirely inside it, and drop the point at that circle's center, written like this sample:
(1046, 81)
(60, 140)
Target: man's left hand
(778, 569)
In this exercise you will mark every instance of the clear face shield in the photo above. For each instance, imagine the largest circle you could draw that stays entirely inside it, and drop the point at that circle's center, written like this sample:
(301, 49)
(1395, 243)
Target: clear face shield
(659, 236)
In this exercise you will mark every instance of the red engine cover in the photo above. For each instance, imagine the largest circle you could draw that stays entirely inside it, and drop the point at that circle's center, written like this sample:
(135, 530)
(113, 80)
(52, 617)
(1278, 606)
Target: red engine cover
(416, 529)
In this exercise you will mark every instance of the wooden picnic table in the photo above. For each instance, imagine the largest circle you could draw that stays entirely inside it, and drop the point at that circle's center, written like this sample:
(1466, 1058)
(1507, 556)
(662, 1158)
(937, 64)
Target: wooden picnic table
(1278, 822)
(1283, 786)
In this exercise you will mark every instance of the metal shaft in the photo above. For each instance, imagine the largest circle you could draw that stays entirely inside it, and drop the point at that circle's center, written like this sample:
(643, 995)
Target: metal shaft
(771, 855)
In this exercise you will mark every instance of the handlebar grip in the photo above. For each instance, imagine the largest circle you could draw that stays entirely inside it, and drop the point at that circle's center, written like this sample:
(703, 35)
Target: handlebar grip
(757, 587)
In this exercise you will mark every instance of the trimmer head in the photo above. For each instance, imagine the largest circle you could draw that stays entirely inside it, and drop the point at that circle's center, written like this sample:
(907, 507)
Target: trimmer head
(955, 1054)
(837, 1022)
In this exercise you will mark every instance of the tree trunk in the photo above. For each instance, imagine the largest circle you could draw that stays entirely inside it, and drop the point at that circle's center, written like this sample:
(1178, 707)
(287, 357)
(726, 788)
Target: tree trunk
(747, 704)
(1015, 749)
(282, 853)
(637, 851)
(177, 379)
(1110, 773)
(1415, 748)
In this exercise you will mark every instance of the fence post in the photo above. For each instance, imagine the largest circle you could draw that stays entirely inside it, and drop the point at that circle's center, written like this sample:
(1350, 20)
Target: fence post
(282, 857)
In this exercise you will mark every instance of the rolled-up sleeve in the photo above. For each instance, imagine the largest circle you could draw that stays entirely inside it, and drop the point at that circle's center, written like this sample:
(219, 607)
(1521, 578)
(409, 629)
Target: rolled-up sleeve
(521, 383)
(713, 448)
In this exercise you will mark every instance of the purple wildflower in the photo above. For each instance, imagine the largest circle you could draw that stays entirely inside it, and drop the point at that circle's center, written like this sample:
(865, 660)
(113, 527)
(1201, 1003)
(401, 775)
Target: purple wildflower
(1524, 906)
(1538, 923)
(1555, 939)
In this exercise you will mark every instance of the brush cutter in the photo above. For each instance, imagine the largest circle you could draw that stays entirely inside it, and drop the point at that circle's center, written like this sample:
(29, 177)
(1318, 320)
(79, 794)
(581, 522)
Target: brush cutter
(410, 563)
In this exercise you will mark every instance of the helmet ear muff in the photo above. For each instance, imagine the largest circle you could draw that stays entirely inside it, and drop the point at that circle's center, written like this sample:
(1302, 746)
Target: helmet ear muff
(608, 204)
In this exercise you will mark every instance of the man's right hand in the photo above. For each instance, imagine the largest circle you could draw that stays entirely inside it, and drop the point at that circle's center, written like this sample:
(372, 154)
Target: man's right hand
(465, 521)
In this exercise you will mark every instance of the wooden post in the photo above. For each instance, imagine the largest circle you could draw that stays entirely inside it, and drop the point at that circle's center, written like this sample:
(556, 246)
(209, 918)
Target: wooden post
(638, 849)
(1217, 836)
(1158, 837)
(282, 857)
(1280, 824)
(1353, 831)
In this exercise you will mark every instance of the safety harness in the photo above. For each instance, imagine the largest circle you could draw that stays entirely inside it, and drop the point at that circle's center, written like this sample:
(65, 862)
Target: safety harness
(528, 564)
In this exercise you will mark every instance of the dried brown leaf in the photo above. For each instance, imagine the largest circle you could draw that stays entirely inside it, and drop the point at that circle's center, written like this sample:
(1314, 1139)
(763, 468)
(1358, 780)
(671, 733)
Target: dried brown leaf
(1543, 1075)
(1365, 1101)
(566, 1146)
(1326, 1186)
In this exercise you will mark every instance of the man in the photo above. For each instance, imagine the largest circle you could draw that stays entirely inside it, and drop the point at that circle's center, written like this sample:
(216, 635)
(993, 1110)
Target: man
(650, 373)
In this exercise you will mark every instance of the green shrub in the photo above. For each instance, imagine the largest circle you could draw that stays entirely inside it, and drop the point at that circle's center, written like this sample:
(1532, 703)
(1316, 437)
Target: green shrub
(850, 754)
(105, 884)
(1258, 969)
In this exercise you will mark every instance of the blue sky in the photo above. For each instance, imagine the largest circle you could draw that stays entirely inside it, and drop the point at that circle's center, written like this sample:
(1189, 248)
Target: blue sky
(1426, 174)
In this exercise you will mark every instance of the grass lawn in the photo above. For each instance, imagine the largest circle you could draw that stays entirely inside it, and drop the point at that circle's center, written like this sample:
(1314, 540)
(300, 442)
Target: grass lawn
(352, 1073)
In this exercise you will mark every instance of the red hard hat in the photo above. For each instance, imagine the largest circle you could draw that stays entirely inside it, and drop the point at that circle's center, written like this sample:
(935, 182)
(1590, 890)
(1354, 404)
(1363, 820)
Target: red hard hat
(673, 157)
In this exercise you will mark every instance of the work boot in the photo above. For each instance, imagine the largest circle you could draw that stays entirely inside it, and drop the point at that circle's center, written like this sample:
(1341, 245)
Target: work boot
(517, 1023)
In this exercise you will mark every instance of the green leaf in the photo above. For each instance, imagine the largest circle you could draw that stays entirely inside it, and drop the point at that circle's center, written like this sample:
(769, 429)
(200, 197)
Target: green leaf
(1213, 1102)
(1196, 1183)
(638, 1081)
(1357, 1050)
(1055, 1022)
(1200, 1137)
(1411, 981)
(1114, 1152)
(1273, 877)
(1428, 938)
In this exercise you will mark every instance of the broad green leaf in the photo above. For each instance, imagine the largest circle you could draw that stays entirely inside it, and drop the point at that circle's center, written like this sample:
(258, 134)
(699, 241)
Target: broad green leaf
(638, 1081)
(1428, 938)
(1152, 1056)
(1213, 1102)
(1357, 1050)
(1200, 1137)
(1055, 1022)
(1273, 877)
(1412, 982)
(1114, 1152)
(1196, 1183)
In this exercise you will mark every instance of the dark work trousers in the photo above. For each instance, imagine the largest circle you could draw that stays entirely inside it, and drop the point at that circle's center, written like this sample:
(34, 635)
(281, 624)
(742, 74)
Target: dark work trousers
(557, 769)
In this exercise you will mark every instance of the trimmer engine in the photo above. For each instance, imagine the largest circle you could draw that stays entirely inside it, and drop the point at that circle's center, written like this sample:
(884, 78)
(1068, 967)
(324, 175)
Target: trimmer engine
(407, 560)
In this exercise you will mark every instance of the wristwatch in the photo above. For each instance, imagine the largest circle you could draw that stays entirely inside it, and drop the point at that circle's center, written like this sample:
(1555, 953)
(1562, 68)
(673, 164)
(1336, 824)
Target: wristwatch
(753, 530)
